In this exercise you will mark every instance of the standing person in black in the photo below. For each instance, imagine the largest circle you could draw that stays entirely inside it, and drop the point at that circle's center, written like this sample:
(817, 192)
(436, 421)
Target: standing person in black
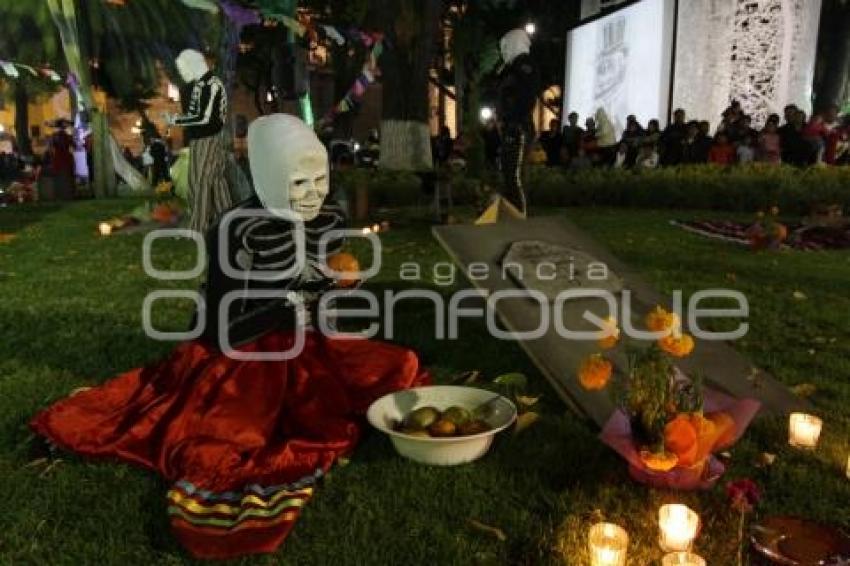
(518, 88)
(159, 154)
(703, 142)
(691, 145)
(572, 135)
(672, 137)
(551, 141)
(205, 114)
(632, 136)
(794, 149)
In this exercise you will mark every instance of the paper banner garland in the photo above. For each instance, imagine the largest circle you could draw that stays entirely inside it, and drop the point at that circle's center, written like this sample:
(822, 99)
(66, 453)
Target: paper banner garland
(206, 5)
(10, 68)
(333, 35)
(361, 83)
(239, 15)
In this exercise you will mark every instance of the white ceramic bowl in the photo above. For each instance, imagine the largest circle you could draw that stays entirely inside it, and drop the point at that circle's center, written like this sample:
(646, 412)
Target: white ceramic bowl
(390, 409)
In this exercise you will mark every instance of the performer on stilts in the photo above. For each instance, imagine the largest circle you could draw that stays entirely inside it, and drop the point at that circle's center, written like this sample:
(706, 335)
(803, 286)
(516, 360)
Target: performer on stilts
(202, 122)
(519, 83)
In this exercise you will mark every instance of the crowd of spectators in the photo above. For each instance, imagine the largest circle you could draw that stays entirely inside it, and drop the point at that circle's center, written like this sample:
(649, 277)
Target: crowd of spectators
(793, 139)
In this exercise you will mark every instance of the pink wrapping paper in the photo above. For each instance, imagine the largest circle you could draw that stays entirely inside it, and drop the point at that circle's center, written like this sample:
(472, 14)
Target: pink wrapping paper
(617, 434)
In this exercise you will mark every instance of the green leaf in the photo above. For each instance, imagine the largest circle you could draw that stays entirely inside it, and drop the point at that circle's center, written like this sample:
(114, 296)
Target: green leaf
(515, 379)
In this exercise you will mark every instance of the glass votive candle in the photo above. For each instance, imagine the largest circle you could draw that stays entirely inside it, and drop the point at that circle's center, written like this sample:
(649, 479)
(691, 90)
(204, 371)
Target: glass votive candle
(804, 430)
(682, 559)
(678, 524)
(607, 544)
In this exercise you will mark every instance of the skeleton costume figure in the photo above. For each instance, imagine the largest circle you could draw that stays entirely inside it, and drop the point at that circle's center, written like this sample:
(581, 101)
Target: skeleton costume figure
(518, 88)
(203, 121)
(242, 442)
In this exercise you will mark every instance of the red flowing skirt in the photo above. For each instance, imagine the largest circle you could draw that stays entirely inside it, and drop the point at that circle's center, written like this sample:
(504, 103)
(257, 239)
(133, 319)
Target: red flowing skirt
(242, 442)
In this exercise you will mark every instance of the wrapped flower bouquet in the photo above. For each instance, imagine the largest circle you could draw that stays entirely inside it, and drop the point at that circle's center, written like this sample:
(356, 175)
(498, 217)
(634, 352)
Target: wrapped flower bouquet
(667, 427)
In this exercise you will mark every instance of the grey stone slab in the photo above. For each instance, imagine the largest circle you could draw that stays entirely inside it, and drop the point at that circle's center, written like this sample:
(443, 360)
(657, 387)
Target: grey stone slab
(558, 358)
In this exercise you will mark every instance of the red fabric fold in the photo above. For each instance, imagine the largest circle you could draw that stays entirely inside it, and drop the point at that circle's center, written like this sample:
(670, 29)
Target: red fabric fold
(222, 424)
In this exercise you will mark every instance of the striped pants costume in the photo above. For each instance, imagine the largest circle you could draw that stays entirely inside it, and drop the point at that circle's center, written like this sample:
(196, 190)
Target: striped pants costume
(209, 193)
(513, 154)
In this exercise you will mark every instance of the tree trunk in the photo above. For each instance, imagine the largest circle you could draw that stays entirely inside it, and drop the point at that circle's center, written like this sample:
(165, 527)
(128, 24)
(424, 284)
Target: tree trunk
(22, 120)
(102, 162)
(405, 135)
(106, 159)
(240, 187)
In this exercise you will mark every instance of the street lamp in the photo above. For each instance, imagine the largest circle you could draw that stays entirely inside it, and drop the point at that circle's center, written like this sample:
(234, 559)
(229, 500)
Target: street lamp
(530, 28)
(486, 113)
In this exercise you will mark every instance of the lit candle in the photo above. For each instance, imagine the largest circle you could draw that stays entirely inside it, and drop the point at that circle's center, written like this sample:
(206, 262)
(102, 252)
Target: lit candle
(678, 524)
(105, 228)
(607, 544)
(804, 430)
(682, 559)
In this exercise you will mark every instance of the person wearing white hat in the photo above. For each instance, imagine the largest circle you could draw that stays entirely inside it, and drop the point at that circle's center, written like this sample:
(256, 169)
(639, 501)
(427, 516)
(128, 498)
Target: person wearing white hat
(206, 113)
(518, 88)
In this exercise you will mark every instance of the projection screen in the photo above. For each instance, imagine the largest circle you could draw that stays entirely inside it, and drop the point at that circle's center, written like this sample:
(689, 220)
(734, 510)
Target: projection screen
(621, 63)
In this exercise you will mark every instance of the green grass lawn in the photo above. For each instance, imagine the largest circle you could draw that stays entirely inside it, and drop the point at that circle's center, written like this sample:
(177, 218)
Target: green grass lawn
(70, 315)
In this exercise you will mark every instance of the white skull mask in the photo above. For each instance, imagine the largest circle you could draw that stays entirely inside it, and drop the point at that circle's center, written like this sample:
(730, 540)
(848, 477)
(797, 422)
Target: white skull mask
(289, 165)
(514, 43)
(191, 65)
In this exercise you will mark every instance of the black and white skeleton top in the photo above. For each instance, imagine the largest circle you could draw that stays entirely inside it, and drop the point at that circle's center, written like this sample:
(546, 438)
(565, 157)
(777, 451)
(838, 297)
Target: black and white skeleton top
(207, 108)
(519, 83)
(260, 244)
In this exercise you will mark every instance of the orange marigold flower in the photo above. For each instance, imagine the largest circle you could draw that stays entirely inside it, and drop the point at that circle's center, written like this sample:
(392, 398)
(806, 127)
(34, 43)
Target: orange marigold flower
(659, 320)
(678, 346)
(659, 461)
(595, 372)
(609, 327)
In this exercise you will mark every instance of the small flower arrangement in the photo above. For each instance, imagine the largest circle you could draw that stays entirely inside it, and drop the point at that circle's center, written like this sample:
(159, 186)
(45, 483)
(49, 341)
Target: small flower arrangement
(767, 232)
(664, 427)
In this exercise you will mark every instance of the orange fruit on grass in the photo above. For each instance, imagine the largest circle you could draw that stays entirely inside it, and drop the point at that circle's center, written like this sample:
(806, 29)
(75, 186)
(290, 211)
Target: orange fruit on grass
(680, 438)
(725, 429)
(344, 263)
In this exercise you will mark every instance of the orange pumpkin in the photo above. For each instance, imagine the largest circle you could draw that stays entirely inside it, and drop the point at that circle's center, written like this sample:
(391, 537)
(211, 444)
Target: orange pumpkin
(659, 461)
(680, 438)
(344, 263)
(725, 429)
(595, 372)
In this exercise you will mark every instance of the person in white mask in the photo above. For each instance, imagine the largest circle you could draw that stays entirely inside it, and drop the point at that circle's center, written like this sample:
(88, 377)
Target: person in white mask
(519, 83)
(233, 432)
(204, 118)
